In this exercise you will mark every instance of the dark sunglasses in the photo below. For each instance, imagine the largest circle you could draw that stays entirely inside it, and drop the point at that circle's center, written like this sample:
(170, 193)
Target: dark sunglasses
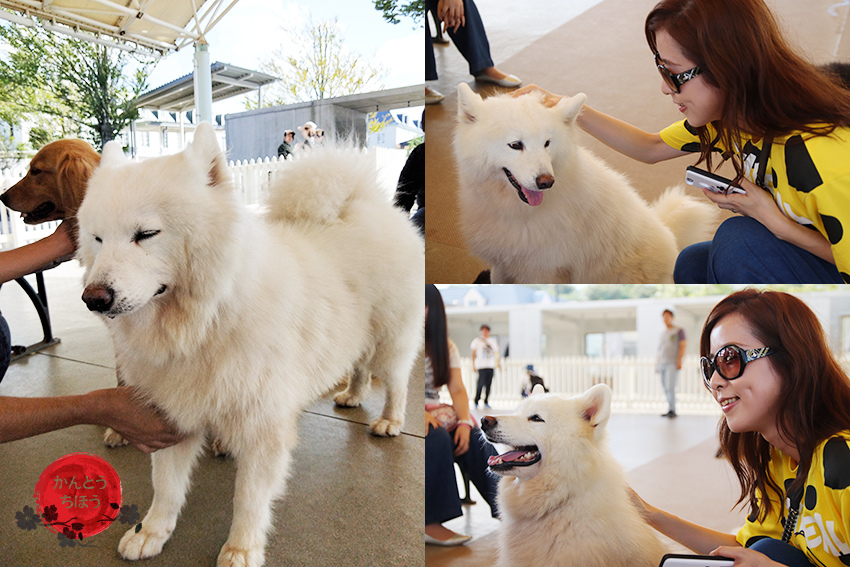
(675, 82)
(730, 361)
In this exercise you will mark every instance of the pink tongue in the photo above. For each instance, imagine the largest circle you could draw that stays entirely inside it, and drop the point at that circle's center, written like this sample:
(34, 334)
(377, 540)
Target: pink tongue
(507, 457)
(534, 197)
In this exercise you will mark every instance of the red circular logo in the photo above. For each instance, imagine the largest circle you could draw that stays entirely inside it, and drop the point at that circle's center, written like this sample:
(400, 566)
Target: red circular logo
(78, 495)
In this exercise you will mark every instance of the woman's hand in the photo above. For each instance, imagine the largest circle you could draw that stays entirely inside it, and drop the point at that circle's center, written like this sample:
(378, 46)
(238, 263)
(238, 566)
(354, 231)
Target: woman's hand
(745, 557)
(757, 203)
(433, 421)
(451, 14)
(549, 99)
(139, 423)
(461, 440)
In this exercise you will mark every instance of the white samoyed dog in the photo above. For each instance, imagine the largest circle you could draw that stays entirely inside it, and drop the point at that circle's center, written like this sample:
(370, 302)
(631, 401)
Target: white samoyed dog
(231, 324)
(563, 498)
(539, 208)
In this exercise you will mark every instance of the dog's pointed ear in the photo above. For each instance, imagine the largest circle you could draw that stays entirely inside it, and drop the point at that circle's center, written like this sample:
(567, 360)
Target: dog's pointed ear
(568, 108)
(596, 408)
(113, 154)
(467, 104)
(538, 389)
(206, 149)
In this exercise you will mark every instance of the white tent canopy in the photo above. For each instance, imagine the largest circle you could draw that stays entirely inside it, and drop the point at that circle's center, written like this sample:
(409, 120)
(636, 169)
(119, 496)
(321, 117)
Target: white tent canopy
(157, 27)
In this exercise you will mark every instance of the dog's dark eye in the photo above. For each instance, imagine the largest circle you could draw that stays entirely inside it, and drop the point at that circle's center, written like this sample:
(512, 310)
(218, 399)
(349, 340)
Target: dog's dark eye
(144, 235)
(536, 417)
(34, 170)
(97, 239)
(516, 145)
(546, 145)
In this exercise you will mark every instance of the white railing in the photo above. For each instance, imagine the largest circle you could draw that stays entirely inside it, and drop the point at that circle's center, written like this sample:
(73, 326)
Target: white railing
(251, 178)
(635, 384)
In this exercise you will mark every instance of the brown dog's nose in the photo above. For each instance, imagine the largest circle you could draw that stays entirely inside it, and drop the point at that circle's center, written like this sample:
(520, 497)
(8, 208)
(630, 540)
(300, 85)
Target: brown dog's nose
(545, 181)
(487, 422)
(98, 298)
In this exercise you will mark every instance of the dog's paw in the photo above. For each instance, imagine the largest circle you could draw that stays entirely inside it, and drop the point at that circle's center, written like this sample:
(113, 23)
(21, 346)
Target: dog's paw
(112, 438)
(142, 544)
(232, 556)
(347, 400)
(386, 427)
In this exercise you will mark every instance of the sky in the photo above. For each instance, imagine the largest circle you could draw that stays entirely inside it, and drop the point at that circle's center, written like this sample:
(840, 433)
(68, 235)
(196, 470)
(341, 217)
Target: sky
(252, 29)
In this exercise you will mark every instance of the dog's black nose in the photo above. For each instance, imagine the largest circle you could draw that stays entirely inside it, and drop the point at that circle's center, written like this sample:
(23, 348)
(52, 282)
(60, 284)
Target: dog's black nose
(98, 298)
(545, 181)
(487, 422)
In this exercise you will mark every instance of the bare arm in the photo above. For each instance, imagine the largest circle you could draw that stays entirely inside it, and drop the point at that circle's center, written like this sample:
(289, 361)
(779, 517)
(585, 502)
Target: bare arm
(460, 401)
(26, 259)
(696, 538)
(682, 345)
(118, 408)
(616, 134)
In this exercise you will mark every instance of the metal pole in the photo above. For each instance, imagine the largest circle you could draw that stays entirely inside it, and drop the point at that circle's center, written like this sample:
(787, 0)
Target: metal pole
(203, 83)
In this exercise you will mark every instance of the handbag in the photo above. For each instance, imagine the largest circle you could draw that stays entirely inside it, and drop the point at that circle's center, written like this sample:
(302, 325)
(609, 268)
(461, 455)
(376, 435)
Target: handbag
(446, 415)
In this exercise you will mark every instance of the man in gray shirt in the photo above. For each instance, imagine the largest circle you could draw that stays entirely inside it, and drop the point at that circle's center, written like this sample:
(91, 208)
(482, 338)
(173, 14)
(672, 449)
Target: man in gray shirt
(669, 359)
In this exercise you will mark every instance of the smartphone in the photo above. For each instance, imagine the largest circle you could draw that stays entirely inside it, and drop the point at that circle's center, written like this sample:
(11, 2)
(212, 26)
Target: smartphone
(673, 560)
(714, 183)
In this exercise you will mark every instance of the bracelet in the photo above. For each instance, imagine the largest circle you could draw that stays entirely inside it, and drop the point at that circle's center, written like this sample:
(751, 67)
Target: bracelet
(466, 422)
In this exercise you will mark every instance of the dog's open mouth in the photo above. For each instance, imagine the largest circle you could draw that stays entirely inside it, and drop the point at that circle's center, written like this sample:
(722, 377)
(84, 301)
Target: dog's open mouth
(529, 196)
(519, 457)
(39, 214)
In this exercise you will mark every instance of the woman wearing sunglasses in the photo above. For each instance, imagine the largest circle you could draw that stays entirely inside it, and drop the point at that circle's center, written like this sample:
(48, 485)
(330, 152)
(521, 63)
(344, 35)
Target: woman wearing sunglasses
(785, 430)
(746, 94)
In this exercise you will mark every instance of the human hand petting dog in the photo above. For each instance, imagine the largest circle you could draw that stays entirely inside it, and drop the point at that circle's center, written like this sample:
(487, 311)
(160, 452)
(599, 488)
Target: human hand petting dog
(549, 99)
(139, 423)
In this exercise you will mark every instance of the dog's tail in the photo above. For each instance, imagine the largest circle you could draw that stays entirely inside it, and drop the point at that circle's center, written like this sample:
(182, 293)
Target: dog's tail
(690, 218)
(319, 184)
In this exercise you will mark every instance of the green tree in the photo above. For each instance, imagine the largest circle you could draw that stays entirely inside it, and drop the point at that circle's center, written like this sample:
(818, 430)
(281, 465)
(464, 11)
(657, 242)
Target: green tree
(315, 64)
(82, 82)
(393, 9)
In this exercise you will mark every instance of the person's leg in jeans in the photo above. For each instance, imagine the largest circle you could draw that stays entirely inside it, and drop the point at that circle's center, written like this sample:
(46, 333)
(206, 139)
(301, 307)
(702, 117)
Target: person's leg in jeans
(488, 381)
(781, 552)
(744, 251)
(473, 463)
(692, 264)
(5, 346)
(430, 60)
(442, 501)
(480, 385)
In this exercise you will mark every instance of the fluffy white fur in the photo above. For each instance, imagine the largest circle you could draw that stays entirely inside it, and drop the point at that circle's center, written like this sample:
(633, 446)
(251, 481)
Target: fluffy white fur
(589, 226)
(232, 324)
(570, 507)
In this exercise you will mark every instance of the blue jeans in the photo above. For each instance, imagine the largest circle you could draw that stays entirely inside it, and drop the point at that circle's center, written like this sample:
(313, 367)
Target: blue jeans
(743, 251)
(442, 501)
(781, 552)
(669, 376)
(470, 40)
(5, 346)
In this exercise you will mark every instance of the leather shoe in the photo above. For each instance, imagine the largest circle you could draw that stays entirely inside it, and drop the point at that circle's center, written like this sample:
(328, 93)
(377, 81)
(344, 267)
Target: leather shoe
(508, 81)
(455, 540)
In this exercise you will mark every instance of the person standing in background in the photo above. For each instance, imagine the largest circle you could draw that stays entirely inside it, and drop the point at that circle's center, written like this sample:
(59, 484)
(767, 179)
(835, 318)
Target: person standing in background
(669, 359)
(485, 359)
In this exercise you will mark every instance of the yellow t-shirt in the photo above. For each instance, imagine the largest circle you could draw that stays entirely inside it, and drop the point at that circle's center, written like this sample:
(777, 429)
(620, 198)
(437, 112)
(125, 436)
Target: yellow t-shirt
(808, 176)
(823, 526)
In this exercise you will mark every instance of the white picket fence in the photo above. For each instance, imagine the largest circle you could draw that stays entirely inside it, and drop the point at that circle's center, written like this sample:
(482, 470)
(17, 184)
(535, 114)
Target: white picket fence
(634, 382)
(252, 179)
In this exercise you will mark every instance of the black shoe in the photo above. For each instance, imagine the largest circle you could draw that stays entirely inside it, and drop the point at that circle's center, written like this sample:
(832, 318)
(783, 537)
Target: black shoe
(672, 414)
(666, 414)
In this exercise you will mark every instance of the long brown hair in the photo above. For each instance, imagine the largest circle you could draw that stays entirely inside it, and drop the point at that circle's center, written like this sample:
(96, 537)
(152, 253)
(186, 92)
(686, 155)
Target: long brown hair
(437, 335)
(814, 397)
(767, 88)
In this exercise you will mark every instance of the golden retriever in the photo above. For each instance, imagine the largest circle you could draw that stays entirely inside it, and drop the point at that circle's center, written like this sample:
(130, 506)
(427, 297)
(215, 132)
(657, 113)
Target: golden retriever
(55, 184)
